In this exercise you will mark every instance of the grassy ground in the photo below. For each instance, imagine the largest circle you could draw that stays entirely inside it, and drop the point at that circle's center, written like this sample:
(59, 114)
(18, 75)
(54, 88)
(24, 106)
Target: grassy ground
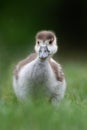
(70, 115)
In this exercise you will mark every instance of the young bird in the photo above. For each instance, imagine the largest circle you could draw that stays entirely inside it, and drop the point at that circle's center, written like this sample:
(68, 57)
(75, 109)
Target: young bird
(39, 74)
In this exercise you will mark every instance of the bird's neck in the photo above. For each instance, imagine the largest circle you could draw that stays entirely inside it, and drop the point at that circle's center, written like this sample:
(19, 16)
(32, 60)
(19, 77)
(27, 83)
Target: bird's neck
(42, 61)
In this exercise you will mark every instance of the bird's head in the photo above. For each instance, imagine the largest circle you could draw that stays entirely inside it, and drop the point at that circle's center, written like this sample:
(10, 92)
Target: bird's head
(46, 44)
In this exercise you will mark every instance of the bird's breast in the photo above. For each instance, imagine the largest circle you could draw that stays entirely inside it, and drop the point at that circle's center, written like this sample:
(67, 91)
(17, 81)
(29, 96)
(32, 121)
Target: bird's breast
(39, 73)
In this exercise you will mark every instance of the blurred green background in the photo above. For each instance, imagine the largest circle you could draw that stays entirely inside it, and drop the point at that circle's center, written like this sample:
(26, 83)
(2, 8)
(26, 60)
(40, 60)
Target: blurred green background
(19, 23)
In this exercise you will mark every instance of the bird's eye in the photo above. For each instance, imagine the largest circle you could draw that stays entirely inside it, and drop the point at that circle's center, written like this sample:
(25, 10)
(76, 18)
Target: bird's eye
(50, 42)
(38, 42)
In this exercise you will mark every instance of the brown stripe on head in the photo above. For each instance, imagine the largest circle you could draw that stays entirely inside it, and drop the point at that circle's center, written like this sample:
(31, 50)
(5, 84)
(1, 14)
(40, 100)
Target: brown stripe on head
(45, 35)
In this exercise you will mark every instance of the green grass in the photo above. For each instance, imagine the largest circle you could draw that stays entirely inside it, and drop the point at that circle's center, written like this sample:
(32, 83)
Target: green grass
(71, 114)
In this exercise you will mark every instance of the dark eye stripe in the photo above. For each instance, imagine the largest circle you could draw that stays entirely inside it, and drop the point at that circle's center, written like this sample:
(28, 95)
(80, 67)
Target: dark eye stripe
(38, 42)
(50, 42)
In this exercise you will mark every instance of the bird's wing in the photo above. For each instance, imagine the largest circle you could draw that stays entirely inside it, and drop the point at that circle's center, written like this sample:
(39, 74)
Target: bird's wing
(57, 69)
(22, 63)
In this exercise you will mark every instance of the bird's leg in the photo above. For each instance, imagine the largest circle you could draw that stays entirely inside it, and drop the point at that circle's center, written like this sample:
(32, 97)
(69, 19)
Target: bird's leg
(55, 99)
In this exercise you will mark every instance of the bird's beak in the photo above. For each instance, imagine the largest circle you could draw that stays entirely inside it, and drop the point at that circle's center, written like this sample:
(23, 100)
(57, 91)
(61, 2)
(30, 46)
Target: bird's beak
(43, 52)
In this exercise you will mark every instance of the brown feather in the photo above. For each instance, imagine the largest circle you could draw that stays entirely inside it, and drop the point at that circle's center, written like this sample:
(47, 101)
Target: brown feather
(22, 63)
(58, 72)
(45, 35)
